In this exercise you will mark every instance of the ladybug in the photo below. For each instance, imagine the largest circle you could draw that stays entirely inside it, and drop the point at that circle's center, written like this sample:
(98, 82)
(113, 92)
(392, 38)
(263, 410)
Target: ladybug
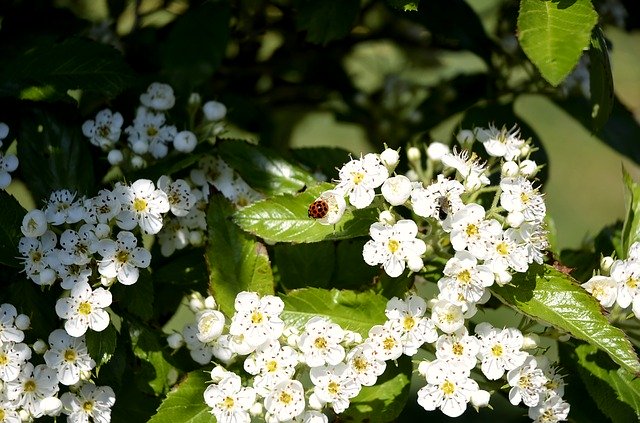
(318, 209)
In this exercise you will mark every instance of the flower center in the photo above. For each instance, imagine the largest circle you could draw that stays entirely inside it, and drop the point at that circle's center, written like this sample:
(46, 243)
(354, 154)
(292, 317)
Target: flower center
(87, 406)
(458, 348)
(122, 256)
(320, 343)
(447, 387)
(70, 356)
(464, 276)
(472, 230)
(333, 388)
(3, 359)
(2, 415)
(524, 381)
(502, 249)
(152, 131)
(389, 343)
(393, 246)
(632, 282)
(285, 398)
(408, 323)
(139, 205)
(84, 308)
(496, 350)
(524, 198)
(360, 364)
(256, 317)
(104, 131)
(29, 386)
(357, 177)
(228, 403)
(272, 366)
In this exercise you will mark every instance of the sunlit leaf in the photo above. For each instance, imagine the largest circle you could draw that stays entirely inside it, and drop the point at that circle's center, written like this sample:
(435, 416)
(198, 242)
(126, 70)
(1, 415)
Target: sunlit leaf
(600, 80)
(11, 214)
(326, 20)
(185, 403)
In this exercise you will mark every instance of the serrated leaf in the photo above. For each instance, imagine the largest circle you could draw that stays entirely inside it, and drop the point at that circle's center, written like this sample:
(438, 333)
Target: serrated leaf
(11, 214)
(615, 391)
(305, 265)
(101, 345)
(384, 401)
(553, 34)
(326, 20)
(54, 155)
(356, 311)
(48, 72)
(236, 261)
(263, 169)
(285, 219)
(546, 294)
(185, 403)
(154, 371)
(600, 80)
(631, 227)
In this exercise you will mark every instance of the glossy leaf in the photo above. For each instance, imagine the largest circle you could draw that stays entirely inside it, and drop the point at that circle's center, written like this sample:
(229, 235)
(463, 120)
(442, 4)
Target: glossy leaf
(356, 311)
(384, 401)
(263, 169)
(600, 80)
(236, 261)
(326, 20)
(548, 295)
(285, 219)
(154, 372)
(101, 345)
(553, 34)
(185, 402)
(326, 160)
(615, 391)
(11, 214)
(631, 228)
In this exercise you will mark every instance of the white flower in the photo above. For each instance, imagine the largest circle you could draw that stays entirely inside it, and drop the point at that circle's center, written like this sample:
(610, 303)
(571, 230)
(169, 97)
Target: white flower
(32, 386)
(519, 196)
(500, 350)
(241, 194)
(142, 204)
(465, 137)
(40, 257)
(552, 410)
(83, 309)
(8, 330)
(105, 130)
(257, 319)
(390, 158)
(90, 401)
(9, 411)
(320, 342)
(103, 207)
(71, 274)
(13, 357)
(448, 388)
(469, 230)
(626, 273)
(61, 208)
(359, 178)
(271, 364)
(365, 364)
(173, 236)
(458, 348)
(4, 131)
(407, 318)
(393, 246)
(505, 252)
(334, 385)
(158, 97)
(385, 342)
(501, 142)
(464, 280)
(78, 247)
(185, 141)
(603, 288)
(527, 382)
(285, 402)
(68, 356)
(229, 400)
(439, 200)
(122, 258)
(214, 111)
(555, 381)
(199, 351)
(448, 317)
(210, 325)
(437, 150)
(115, 157)
(179, 195)
(533, 238)
(8, 164)
(396, 190)
(469, 167)
(149, 134)
(34, 224)
(329, 208)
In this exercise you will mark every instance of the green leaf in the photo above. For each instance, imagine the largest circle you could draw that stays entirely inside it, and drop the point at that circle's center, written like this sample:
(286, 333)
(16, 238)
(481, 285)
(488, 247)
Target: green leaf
(546, 294)
(384, 401)
(54, 155)
(326, 20)
(101, 345)
(138, 298)
(303, 265)
(11, 214)
(174, 162)
(197, 43)
(48, 72)
(263, 169)
(553, 34)
(322, 159)
(154, 373)
(600, 80)
(284, 219)
(631, 228)
(185, 403)
(356, 311)
(236, 261)
(352, 272)
(615, 391)
(404, 5)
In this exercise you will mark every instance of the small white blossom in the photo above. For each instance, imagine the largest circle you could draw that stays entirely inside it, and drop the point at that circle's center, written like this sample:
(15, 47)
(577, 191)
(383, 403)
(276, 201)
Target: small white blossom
(407, 318)
(320, 342)
(359, 178)
(210, 325)
(394, 246)
(32, 386)
(365, 364)
(447, 317)
(8, 163)
(40, 257)
(257, 319)
(458, 348)
(500, 350)
(229, 400)
(464, 279)
(437, 150)
(469, 230)
(396, 190)
(9, 332)
(469, 167)
(185, 141)
(386, 343)
(448, 388)
(13, 357)
(122, 258)
(142, 204)
(527, 383)
(83, 309)
(552, 410)
(61, 208)
(90, 401)
(34, 224)
(439, 200)
(179, 195)
(334, 385)
(603, 288)
(105, 130)
(68, 356)
(271, 364)
(285, 402)
(158, 97)
(390, 158)
(149, 134)
(501, 142)
(519, 196)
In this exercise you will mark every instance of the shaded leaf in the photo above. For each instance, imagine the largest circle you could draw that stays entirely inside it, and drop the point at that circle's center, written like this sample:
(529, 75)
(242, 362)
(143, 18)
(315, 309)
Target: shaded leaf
(404, 5)
(263, 169)
(326, 20)
(101, 345)
(546, 294)
(155, 371)
(284, 219)
(600, 80)
(185, 403)
(356, 311)
(553, 34)
(11, 214)
(303, 265)
(236, 261)
(352, 272)
(631, 227)
(138, 298)
(326, 160)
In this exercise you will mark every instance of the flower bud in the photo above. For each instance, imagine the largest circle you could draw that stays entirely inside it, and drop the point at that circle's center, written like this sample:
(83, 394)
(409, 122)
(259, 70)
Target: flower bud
(564, 337)
(530, 341)
(196, 302)
(115, 157)
(510, 169)
(22, 322)
(414, 154)
(214, 111)
(256, 409)
(605, 264)
(137, 162)
(390, 159)
(195, 238)
(480, 398)
(185, 141)
(140, 147)
(465, 137)
(396, 190)
(175, 341)
(515, 219)
(51, 406)
(352, 338)
(102, 230)
(528, 168)
(436, 150)
(387, 217)
(525, 150)
(34, 224)
(218, 373)
(47, 277)
(315, 402)
(210, 303)
(40, 347)
(194, 100)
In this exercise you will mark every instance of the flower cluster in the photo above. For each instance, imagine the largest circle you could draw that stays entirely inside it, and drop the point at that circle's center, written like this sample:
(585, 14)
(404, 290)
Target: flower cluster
(305, 373)
(8, 162)
(31, 391)
(149, 136)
